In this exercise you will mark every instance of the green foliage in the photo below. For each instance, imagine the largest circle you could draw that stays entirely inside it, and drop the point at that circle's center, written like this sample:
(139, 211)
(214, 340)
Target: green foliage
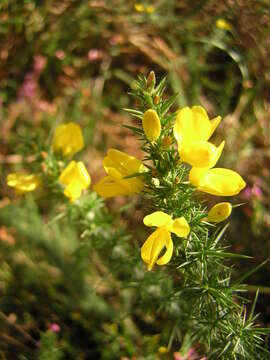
(48, 350)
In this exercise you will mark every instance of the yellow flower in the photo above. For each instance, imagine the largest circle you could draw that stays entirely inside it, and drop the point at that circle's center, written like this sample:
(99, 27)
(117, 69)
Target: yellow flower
(75, 178)
(163, 350)
(139, 7)
(161, 237)
(192, 129)
(23, 182)
(119, 165)
(150, 9)
(220, 212)
(223, 24)
(151, 125)
(217, 181)
(67, 139)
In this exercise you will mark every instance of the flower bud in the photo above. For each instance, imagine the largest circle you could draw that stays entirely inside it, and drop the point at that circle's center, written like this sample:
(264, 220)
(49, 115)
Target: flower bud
(156, 99)
(166, 142)
(220, 212)
(151, 125)
(151, 79)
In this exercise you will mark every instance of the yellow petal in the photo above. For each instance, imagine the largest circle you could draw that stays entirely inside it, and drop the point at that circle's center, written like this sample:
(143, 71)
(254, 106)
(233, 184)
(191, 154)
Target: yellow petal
(217, 181)
(67, 175)
(107, 187)
(214, 124)
(73, 191)
(153, 246)
(180, 227)
(201, 154)
(76, 178)
(192, 124)
(68, 139)
(83, 175)
(139, 7)
(75, 172)
(220, 212)
(147, 247)
(150, 9)
(164, 259)
(151, 125)
(23, 182)
(122, 162)
(223, 24)
(157, 218)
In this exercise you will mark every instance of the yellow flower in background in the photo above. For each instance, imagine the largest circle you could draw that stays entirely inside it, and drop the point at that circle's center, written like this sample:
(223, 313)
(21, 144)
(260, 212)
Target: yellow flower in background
(151, 125)
(163, 350)
(220, 212)
(23, 182)
(75, 178)
(217, 181)
(139, 7)
(142, 8)
(119, 165)
(192, 130)
(150, 9)
(67, 139)
(161, 237)
(223, 24)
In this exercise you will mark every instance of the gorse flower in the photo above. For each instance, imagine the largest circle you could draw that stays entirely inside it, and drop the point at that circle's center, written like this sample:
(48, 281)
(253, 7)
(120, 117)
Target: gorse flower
(142, 8)
(223, 24)
(161, 237)
(217, 181)
(119, 165)
(192, 131)
(23, 182)
(219, 212)
(151, 125)
(67, 139)
(75, 178)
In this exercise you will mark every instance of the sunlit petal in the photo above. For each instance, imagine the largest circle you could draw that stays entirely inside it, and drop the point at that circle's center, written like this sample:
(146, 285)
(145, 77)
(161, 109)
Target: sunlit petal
(157, 218)
(180, 227)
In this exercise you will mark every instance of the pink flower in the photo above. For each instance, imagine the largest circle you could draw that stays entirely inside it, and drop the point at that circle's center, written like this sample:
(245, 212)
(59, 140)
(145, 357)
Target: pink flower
(54, 327)
(39, 63)
(60, 54)
(256, 191)
(94, 54)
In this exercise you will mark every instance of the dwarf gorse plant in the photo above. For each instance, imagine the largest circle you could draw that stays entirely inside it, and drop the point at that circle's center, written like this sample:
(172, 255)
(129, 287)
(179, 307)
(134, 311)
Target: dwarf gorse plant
(187, 283)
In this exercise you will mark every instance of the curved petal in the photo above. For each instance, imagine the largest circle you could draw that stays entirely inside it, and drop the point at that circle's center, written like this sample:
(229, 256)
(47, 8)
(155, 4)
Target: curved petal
(220, 212)
(201, 154)
(192, 124)
(157, 218)
(107, 187)
(75, 172)
(73, 191)
(146, 249)
(217, 181)
(122, 162)
(196, 175)
(214, 124)
(153, 246)
(164, 259)
(67, 175)
(83, 176)
(68, 139)
(180, 227)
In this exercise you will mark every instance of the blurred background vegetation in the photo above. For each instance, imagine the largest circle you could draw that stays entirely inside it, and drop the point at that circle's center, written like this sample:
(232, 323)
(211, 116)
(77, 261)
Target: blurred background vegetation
(76, 60)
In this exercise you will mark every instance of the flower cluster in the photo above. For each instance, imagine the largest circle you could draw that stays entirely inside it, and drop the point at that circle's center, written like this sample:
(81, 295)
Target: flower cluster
(67, 141)
(127, 175)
